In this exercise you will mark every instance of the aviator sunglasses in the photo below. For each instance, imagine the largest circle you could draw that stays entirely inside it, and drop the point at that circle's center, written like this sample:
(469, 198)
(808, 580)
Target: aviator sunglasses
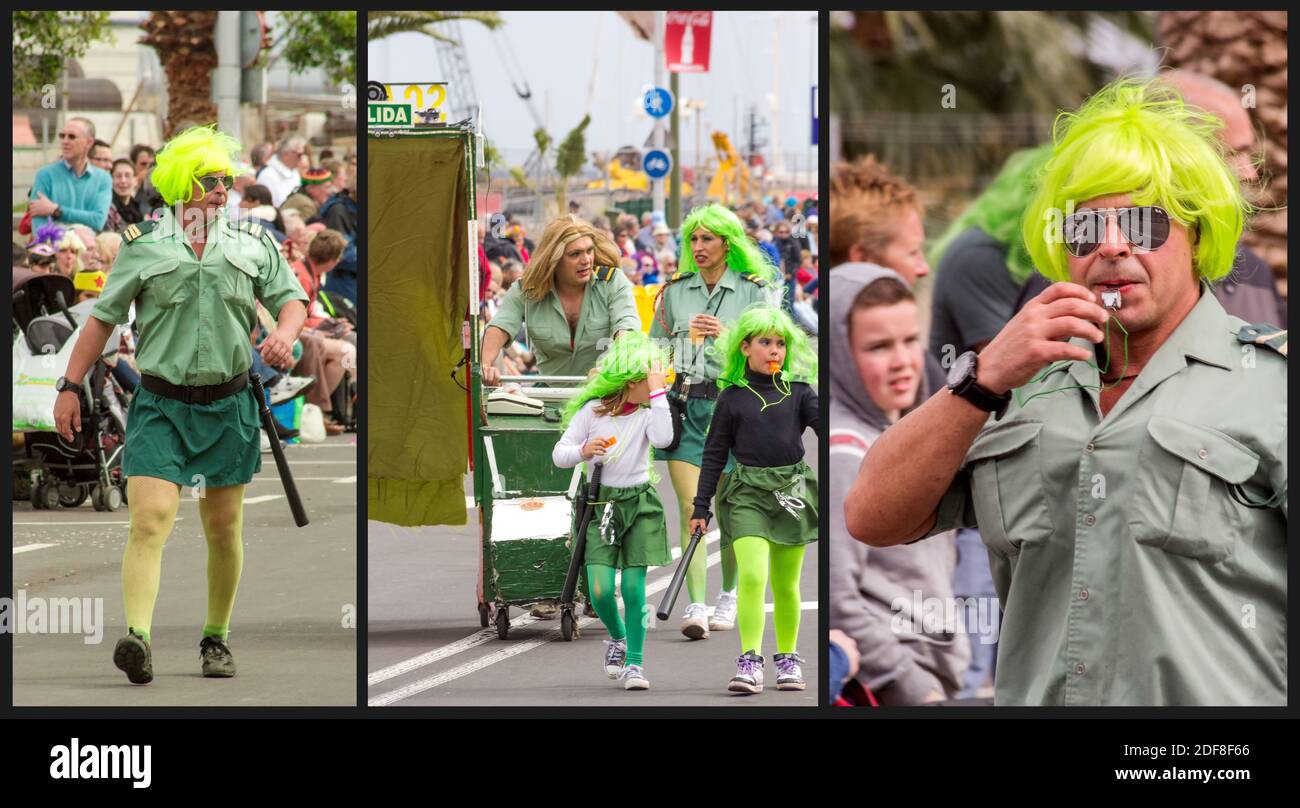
(1145, 227)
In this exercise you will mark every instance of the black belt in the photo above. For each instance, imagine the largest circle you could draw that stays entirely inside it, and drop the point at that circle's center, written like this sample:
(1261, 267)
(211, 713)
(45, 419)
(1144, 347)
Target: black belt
(706, 389)
(193, 395)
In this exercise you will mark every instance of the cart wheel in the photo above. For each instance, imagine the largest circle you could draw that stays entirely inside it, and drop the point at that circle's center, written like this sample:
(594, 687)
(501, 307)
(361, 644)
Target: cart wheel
(503, 622)
(49, 497)
(97, 497)
(568, 628)
(483, 615)
(112, 498)
(72, 495)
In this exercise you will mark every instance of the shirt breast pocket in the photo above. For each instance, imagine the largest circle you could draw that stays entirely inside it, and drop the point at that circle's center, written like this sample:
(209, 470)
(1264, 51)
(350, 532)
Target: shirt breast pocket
(1007, 487)
(163, 284)
(235, 282)
(1183, 505)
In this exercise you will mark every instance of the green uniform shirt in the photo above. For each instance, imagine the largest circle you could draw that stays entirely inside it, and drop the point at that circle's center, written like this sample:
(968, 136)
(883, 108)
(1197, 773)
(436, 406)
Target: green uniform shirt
(686, 296)
(607, 309)
(195, 316)
(1127, 572)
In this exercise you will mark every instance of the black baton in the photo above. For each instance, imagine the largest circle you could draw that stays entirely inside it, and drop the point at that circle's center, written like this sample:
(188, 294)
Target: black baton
(580, 536)
(282, 465)
(675, 585)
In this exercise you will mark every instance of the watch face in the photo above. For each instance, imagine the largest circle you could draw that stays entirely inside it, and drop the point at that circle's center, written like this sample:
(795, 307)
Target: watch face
(961, 367)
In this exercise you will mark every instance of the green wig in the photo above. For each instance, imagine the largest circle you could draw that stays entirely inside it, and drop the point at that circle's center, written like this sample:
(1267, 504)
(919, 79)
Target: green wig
(1138, 137)
(743, 255)
(194, 153)
(997, 211)
(755, 321)
(628, 359)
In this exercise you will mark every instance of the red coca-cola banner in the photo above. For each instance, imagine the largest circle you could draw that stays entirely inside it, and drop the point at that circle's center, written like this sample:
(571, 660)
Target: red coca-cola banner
(686, 41)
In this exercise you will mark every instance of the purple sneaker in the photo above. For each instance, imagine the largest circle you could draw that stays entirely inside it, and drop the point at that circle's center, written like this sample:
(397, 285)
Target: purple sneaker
(749, 674)
(789, 676)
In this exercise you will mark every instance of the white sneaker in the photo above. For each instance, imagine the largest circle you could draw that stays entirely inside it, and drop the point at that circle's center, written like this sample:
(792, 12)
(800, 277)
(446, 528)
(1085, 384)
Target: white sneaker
(724, 614)
(633, 678)
(749, 674)
(288, 387)
(266, 442)
(615, 656)
(695, 624)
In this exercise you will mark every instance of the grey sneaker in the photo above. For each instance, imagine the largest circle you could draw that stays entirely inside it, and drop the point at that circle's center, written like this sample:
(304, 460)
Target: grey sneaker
(134, 657)
(633, 678)
(695, 624)
(749, 674)
(789, 676)
(218, 662)
(724, 614)
(615, 656)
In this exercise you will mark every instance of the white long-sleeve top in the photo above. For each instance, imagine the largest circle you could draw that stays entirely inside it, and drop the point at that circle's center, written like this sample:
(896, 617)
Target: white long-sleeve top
(626, 463)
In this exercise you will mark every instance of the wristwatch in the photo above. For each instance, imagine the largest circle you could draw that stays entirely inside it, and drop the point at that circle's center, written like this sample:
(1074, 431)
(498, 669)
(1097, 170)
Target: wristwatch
(64, 384)
(58, 212)
(961, 381)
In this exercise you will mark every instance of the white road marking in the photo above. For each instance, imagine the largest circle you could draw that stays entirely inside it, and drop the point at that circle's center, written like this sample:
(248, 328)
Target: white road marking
(263, 498)
(341, 480)
(25, 548)
(84, 523)
(478, 638)
(430, 682)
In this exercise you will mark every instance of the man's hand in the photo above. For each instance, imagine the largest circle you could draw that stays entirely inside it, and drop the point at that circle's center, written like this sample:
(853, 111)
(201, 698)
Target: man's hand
(67, 414)
(1035, 337)
(277, 350)
(42, 205)
(491, 376)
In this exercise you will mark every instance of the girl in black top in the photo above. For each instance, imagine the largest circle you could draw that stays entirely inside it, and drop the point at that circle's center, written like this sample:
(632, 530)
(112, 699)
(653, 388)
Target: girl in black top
(767, 510)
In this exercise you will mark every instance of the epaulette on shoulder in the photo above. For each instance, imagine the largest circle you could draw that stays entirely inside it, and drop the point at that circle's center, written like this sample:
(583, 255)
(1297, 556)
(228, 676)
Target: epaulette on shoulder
(252, 228)
(606, 273)
(135, 231)
(1264, 334)
(752, 278)
(677, 276)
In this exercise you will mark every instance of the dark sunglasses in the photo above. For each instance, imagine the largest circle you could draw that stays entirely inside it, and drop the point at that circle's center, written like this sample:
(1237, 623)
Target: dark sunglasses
(208, 184)
(1145, 227)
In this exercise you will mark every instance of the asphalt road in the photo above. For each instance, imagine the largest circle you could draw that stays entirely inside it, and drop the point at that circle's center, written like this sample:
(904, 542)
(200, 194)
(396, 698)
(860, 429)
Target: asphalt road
(288, 634)
(425, 645)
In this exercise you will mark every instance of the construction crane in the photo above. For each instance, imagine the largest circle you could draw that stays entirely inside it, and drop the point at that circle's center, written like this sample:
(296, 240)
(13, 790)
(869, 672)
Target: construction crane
(462, 102)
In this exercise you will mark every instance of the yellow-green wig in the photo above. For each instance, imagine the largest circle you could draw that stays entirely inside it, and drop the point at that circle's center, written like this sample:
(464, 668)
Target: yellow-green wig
(194, 153)
(743, 255)
(628, 359)
(755, 321)
(1138, 137)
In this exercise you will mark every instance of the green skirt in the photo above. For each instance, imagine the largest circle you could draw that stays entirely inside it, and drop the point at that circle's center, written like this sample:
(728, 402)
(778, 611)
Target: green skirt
(777, 503)
(214, 444)
(695, 428)
(627, 529)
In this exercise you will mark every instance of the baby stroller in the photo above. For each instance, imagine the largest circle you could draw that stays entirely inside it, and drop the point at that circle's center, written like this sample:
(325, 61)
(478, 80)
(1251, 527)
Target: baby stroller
(48, 470)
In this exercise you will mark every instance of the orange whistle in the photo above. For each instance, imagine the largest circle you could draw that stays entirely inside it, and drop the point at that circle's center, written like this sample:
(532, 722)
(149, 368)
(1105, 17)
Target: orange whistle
(610, 441)
(773, 367)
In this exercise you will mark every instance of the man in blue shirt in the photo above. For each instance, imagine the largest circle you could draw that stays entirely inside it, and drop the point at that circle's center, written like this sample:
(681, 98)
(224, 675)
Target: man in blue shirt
(71, 190)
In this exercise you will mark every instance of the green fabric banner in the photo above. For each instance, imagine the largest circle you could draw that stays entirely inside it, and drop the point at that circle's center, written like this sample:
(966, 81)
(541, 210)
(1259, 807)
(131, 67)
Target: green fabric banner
(417, 447)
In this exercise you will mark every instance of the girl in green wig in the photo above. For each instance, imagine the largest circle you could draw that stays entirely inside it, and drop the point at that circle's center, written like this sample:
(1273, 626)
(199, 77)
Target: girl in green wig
(767, 508)
(722, 274)
(616, 420)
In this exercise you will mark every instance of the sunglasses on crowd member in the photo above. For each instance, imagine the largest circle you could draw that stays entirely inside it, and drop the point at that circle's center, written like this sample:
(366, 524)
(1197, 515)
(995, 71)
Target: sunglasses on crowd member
(209, 184)
(1145, 227)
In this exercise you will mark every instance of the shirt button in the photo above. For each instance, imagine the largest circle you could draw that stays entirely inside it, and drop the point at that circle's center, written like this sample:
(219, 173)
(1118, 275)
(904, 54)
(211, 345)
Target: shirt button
(1089, 448)
(1090, 520)
(1202, 453)
(1083, 594)
(1079, 669)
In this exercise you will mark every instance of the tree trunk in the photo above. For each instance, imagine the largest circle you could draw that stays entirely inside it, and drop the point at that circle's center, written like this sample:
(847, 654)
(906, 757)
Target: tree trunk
(1241, 48)
(183, 40)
